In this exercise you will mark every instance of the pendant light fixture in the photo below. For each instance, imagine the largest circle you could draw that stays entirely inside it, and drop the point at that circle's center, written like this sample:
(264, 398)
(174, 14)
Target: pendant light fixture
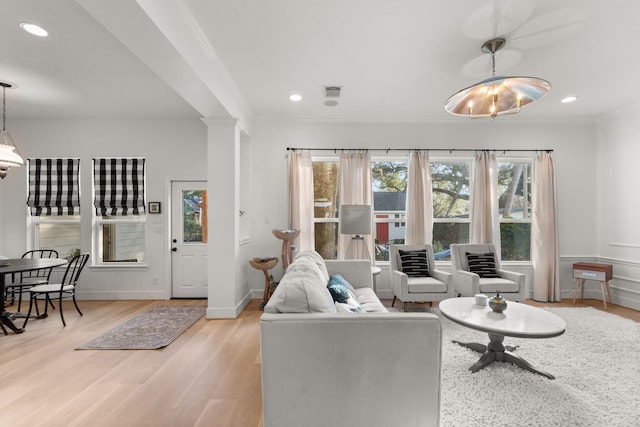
(9, 154)
(498, 95)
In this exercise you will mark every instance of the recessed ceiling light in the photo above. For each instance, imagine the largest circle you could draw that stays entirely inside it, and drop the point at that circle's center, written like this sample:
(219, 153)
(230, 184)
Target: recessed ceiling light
(331, 103)
(34, 29)
(569, 99)
(295, 97)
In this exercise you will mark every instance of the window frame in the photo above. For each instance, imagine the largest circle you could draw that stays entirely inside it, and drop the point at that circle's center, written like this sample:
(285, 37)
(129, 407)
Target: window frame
(97, 222)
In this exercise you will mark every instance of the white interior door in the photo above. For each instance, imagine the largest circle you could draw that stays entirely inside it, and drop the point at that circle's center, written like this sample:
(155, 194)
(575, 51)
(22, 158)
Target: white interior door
(189, 237)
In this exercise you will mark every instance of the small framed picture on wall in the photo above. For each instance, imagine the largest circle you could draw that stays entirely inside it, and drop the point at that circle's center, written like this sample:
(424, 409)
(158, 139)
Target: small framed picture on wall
(154, 207)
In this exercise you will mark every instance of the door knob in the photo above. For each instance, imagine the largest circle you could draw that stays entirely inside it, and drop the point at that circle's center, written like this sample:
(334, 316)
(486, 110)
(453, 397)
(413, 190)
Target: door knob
(174, 249)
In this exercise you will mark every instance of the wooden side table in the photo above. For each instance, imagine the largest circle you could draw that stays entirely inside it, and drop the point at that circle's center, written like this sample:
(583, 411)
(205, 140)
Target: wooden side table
(602, 273)
(265, 264)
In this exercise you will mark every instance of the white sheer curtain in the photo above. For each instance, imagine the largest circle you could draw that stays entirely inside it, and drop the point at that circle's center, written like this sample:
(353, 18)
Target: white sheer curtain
(545, 254)
(419, 200)
(300, 169)
(485, 225)
(355, 189)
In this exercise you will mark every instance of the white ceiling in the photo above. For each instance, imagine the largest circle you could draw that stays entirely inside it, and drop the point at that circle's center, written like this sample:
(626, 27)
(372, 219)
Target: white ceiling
(396, 60)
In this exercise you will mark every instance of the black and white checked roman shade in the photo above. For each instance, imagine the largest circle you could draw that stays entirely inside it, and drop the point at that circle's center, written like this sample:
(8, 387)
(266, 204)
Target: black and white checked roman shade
(484, 265)
(119, 186)
(414, 263)
(54, 187)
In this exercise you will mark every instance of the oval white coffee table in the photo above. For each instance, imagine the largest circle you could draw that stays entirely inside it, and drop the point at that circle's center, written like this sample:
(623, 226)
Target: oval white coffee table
(518, 320)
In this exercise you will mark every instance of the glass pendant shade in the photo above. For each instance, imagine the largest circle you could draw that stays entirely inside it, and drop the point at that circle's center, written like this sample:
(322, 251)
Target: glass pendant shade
(9, 155)
(497, 95)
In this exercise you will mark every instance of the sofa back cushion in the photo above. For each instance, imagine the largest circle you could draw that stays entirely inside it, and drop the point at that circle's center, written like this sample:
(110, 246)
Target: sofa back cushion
(302, 289)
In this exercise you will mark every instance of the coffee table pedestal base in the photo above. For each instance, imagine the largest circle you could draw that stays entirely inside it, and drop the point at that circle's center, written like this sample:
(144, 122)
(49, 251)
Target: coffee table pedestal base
(495, 351)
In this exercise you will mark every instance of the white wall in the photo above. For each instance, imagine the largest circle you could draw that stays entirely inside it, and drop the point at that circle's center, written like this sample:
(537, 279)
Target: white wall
(618, 208)
(171, 148)
(178, 148)
(574, 148)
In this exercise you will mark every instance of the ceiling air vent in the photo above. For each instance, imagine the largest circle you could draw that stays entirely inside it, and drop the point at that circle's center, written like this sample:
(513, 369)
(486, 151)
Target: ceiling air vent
(332, 91)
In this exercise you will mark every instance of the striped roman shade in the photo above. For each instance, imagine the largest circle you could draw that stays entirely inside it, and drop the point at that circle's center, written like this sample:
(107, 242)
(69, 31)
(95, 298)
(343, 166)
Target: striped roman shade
(54, 187)
(119, 186)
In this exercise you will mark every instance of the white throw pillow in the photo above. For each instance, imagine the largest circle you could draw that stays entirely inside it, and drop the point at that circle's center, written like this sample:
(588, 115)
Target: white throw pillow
(319, 261)
(301, 290)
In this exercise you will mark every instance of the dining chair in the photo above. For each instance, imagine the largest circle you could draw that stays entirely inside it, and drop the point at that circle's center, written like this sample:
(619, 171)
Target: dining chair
(65, 289)
(28, 279)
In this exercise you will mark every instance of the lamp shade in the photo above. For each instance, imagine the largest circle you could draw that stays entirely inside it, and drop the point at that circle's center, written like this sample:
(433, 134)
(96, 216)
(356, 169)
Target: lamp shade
(9, 155)
(355, 219)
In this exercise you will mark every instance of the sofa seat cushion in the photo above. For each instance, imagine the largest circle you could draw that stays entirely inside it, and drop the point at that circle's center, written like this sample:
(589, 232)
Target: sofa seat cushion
(369, 301)
(493, 285)
(301, 290)
(421, 285)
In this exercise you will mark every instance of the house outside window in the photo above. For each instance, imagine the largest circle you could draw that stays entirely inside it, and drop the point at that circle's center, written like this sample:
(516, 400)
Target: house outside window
(120, 214)
(54, 205)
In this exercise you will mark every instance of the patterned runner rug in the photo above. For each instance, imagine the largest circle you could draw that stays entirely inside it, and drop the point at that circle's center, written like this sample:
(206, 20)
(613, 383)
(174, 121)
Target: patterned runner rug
(151, 330)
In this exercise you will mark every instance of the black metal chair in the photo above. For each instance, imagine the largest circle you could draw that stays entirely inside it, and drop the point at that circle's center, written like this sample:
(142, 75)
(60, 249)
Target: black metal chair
(28, 279)
(65, 289)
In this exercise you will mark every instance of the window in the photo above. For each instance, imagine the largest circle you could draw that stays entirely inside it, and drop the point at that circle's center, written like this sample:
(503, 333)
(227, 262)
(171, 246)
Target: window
(451, 220)
(54, 205)
(325, 207)
(389, 203)
(514, 201)
(451, 205)
(120, 220)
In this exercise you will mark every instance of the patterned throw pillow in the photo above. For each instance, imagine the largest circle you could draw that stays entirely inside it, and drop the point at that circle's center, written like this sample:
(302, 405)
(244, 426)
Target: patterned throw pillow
(484, 265)
(414, 263)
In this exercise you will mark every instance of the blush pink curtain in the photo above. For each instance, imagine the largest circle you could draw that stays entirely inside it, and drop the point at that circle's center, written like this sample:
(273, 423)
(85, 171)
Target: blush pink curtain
(300, 176)
(545, 255)
(485, 225)
(419, 200)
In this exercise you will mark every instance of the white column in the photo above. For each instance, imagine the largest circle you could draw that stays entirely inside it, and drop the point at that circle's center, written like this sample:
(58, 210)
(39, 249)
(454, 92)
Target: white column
(223, 196)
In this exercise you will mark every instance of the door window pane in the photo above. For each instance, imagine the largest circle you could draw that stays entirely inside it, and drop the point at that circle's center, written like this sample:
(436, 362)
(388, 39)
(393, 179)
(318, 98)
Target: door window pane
(194, 216)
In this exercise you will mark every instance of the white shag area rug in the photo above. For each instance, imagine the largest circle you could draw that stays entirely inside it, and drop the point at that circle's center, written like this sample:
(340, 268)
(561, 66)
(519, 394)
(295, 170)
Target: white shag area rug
(596, 363)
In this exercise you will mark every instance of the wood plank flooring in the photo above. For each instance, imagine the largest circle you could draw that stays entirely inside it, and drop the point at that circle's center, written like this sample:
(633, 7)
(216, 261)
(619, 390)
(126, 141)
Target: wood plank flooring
(209, 376)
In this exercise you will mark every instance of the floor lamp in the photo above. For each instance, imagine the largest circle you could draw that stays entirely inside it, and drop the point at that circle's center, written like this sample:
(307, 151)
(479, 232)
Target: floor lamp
(356, 221)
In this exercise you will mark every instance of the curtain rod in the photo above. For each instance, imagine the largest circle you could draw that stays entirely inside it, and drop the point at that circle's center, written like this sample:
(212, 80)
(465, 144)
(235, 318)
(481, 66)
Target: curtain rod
(450, 150)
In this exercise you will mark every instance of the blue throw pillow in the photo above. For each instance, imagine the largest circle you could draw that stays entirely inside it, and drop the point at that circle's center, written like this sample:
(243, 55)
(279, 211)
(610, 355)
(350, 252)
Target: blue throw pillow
(338, 291)
(339, 287)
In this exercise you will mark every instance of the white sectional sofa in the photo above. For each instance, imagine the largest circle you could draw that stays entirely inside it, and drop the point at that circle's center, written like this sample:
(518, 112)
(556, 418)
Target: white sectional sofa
(326, 365)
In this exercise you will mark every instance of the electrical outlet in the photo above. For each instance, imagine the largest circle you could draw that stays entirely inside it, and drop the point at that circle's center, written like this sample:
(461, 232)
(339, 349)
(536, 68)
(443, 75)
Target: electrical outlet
(155, 280)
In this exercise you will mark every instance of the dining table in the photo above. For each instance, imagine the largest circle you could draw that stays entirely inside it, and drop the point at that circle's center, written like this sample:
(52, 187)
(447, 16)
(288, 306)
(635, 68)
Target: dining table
(20, 265)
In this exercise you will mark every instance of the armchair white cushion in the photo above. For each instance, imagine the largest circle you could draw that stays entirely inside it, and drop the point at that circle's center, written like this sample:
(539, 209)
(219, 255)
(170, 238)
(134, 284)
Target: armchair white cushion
(510, 284)
(437, 286)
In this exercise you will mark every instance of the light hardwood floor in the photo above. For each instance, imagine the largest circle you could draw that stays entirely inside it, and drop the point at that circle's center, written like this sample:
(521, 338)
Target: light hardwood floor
(209, 376)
